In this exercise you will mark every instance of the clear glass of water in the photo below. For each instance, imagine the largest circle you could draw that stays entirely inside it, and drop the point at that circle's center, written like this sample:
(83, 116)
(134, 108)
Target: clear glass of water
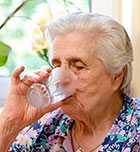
(49, 91)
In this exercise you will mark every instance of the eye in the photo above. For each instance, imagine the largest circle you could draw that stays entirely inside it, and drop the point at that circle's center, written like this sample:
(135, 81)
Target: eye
(78, 66)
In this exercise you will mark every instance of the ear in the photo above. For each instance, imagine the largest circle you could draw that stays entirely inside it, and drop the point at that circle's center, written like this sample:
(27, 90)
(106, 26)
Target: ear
(118, 79)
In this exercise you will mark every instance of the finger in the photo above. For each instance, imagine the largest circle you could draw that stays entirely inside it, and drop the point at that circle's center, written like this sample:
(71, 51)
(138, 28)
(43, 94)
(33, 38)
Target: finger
(42, 74)
(43, 69)
(46, 68)
(17, 72)
(28, 81)
(34, 77)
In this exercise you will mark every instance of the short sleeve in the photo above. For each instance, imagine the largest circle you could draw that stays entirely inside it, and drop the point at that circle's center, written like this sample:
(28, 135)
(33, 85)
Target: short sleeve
(26, 138)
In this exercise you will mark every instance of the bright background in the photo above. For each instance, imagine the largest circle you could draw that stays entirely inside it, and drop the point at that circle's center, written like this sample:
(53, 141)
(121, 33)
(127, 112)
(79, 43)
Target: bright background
(23, 32)
(18, 32)
(127, 13)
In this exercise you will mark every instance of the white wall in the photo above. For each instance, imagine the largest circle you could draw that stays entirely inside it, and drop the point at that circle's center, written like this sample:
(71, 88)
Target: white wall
(127, 13)
(136, 44)
(107, 7)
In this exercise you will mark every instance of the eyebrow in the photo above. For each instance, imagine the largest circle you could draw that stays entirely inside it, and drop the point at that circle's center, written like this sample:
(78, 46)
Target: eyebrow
(76, 59)
(71, 59)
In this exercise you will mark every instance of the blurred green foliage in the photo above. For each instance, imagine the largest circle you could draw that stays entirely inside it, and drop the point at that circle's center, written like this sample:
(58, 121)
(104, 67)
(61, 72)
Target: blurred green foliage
(4, 52)
(17, 32)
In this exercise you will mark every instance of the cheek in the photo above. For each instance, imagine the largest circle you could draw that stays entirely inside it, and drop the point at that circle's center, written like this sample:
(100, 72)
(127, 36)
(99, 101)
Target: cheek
(103, 86)
(87, 79)
(106, 85)
(86, 84)
(93, 84)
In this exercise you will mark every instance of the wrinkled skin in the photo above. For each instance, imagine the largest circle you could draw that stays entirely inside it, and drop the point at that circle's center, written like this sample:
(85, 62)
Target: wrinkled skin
(17, 111)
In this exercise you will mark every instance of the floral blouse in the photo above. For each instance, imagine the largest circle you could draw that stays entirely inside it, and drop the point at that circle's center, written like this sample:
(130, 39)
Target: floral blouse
(51, 132)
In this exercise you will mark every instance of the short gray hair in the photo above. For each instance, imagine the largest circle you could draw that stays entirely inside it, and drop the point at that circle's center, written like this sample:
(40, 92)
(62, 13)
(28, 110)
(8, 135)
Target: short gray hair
(113, 45)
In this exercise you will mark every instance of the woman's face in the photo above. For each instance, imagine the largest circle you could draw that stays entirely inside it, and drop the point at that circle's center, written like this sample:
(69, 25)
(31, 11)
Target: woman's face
(94, 86)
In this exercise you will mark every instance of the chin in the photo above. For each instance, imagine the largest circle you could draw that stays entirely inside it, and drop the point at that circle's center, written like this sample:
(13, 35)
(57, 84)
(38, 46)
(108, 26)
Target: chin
(68, 105)
(71, 108)
(72, 113)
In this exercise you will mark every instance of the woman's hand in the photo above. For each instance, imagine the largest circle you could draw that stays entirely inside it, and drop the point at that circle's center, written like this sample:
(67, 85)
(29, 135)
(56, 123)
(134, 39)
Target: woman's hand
(17, 112)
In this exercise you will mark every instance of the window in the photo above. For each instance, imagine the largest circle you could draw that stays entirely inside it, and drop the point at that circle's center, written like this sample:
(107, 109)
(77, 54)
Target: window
(22, 28)
(18, 32)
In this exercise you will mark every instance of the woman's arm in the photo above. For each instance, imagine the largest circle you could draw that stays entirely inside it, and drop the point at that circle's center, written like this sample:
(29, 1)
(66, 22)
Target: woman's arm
(7, 133)
(17, 113)
(12, 140)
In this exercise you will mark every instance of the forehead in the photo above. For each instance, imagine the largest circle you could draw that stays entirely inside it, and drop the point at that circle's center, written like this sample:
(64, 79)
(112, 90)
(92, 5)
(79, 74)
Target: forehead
(75, 44)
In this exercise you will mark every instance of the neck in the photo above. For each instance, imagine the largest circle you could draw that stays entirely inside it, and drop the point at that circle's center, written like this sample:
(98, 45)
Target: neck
(100, 116)
(94, 127)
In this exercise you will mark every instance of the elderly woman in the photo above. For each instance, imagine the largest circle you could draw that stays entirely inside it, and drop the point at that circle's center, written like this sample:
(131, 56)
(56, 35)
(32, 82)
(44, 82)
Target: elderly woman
(100, 115)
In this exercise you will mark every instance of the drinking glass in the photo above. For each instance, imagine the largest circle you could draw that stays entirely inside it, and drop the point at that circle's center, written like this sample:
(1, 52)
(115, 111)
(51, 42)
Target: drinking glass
(49, 91)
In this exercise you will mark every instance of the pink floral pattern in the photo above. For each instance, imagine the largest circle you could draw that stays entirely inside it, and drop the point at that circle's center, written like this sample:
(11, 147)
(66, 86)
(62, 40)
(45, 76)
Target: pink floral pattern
(51, 132)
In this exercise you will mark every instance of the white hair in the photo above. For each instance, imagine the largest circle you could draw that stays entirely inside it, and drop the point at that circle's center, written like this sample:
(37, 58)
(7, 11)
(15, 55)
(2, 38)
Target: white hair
(113, 45)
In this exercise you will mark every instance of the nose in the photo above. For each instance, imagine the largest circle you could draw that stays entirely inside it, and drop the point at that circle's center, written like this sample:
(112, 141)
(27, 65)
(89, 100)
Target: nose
(65, 76)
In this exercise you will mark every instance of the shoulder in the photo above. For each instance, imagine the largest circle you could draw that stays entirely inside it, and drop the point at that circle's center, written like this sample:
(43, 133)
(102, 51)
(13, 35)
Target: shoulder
(137, 107)
(133, 111)
(50, 124)
(136, 116)
(55, 127)
(125, 132)
(132, 106)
